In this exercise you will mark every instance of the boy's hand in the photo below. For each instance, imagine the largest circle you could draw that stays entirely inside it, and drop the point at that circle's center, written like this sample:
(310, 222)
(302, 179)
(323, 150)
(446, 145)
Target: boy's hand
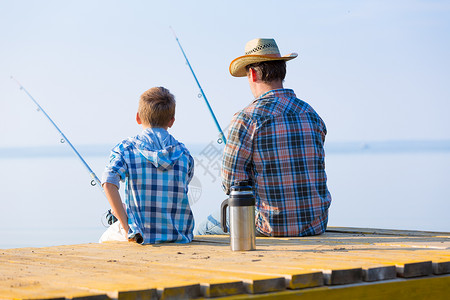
(113, 196)
(137, 238)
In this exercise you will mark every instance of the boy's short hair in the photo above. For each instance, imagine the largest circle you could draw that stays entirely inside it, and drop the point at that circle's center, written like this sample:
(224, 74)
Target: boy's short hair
(156, 107)
(269, 70)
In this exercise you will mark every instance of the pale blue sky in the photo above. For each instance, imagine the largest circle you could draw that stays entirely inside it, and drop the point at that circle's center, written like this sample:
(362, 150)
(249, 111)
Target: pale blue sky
(374, 70)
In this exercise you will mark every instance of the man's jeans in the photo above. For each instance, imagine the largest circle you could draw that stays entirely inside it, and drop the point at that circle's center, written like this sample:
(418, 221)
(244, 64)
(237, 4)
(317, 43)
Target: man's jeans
(211, 225)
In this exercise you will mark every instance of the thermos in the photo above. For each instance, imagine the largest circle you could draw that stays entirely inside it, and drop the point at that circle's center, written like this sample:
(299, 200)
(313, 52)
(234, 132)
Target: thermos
(241, 204)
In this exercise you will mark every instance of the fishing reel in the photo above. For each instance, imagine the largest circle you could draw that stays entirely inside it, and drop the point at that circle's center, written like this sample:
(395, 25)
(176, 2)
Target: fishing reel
(110, 218)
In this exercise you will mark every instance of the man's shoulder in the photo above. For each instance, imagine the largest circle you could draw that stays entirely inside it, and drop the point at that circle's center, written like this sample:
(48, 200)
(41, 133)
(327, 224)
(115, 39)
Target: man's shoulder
(260, 109)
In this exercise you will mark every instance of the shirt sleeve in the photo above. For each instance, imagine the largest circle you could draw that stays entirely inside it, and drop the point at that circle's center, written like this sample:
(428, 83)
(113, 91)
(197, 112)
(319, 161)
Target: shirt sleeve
(116, 170)
(237, 155)
(191, 169)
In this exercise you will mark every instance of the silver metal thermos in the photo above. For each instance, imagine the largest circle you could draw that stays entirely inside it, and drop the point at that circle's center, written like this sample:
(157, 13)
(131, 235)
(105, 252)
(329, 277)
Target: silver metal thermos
(241, 204)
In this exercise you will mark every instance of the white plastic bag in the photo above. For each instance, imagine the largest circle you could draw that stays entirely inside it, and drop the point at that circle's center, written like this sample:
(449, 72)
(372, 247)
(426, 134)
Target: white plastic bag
(115, 232)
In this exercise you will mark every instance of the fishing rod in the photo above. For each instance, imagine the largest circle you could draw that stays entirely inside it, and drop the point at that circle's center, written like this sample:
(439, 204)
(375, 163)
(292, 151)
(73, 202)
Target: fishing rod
(95, 181)
(202, 94)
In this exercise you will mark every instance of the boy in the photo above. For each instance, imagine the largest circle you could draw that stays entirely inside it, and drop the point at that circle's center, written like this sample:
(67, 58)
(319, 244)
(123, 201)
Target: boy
(156, 170)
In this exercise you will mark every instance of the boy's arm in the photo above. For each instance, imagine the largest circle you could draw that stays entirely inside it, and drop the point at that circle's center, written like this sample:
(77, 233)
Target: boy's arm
(113, 196)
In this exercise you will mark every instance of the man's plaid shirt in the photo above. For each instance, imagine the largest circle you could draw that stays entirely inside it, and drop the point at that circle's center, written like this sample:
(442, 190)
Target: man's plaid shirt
(277, 143)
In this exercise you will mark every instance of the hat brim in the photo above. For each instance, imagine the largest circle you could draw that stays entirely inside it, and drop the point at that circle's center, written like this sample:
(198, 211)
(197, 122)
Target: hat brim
(237, 66)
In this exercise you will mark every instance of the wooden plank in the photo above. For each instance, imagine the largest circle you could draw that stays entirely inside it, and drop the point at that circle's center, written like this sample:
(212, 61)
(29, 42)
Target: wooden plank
(378, 265)
(59, 298)
(415, 269)
(405, 267)
(433, 287)
(294, 278)
(148, 294)
(440, 268)
(378, 273)
(264, 285)
(210, 290)
(17, 288)
(63, 298)
(349, 271)
(93, 297)
(306, 280)
(109, 283)
(179, 292)
(346, 276)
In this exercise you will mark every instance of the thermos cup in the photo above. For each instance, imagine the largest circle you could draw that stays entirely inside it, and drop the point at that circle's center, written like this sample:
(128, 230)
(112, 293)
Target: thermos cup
(241, 204)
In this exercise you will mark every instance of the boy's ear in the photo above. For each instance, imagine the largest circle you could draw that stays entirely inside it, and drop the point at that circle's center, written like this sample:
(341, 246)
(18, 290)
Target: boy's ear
(138, 119)
(171, 122)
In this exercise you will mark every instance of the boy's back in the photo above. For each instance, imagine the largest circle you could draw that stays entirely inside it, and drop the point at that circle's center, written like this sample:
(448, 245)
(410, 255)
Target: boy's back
(157, 170)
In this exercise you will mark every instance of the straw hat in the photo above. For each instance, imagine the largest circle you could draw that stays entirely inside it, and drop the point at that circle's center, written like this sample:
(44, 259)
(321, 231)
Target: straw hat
(257, 50)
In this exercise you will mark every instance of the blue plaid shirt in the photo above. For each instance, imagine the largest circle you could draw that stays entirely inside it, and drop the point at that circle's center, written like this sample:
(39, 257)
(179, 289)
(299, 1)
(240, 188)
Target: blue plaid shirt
(156, 170)
(277, 143)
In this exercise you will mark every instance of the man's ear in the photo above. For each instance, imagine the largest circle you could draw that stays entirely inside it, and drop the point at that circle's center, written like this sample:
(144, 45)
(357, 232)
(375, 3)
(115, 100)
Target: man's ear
(138, 119)
(253, 75)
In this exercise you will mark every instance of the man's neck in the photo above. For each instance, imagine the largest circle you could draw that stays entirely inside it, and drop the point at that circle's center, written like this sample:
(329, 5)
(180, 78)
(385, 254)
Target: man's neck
(260, 88)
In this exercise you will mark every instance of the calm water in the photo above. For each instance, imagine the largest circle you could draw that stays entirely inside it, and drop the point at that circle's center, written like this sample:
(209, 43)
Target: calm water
(48, 200)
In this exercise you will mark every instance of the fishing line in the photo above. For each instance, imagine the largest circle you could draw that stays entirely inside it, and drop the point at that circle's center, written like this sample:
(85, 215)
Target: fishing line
(202, 94)
(95, 181)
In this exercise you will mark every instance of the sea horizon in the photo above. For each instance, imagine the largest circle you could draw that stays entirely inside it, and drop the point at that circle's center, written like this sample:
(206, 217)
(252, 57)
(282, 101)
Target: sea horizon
(48, 199)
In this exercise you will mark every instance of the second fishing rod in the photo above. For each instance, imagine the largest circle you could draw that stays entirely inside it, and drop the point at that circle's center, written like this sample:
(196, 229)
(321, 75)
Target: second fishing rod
(202, 94)
(95, 181)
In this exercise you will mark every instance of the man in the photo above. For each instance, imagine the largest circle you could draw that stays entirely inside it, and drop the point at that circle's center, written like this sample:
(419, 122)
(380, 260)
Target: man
(276, 143)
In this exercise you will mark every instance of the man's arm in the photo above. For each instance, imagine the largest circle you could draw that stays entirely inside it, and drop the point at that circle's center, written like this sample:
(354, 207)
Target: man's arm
(113, 196)
(191, 169)
(237, 156)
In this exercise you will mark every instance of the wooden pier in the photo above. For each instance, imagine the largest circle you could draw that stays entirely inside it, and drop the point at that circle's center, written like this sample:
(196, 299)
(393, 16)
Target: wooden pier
(343, 263)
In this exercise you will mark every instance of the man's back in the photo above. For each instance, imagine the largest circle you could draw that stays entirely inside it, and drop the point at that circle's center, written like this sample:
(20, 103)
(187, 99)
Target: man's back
(277, 141)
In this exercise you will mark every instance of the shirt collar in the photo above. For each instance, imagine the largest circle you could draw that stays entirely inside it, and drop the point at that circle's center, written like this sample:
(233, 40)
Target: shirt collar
(285, 93)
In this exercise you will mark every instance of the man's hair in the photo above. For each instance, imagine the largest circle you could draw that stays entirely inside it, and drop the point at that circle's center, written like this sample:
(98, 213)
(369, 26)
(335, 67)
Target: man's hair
(269, 71)
(156, 107)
